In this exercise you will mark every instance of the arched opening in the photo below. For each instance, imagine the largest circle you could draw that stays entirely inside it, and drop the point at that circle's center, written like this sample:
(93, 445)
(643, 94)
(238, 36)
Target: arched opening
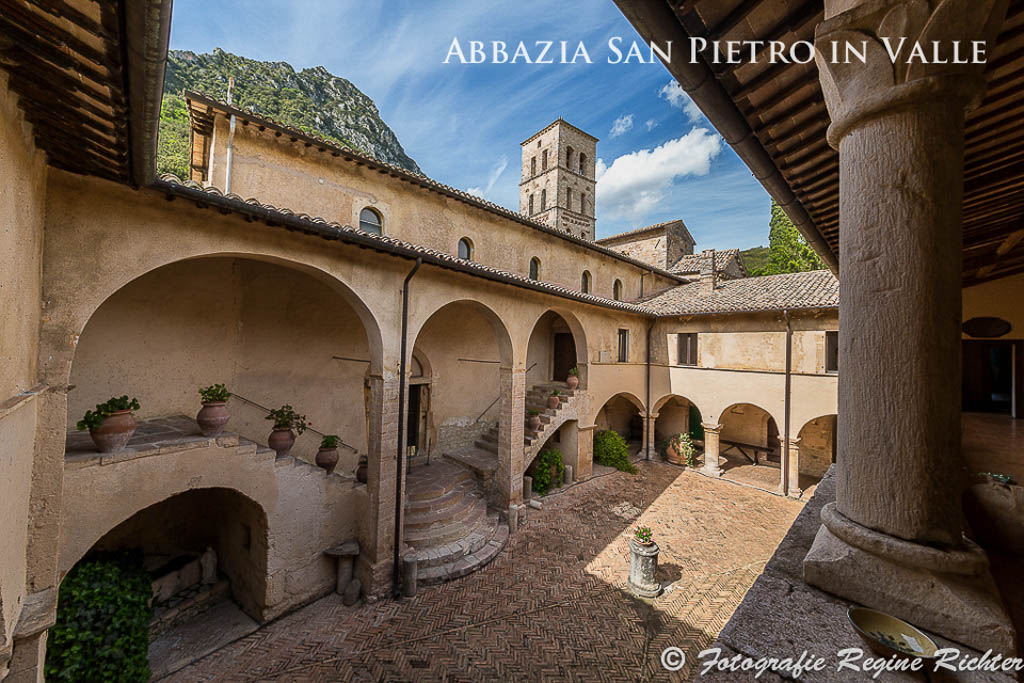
(568, 157)
(371, 221)
(617, 290)
(534, 268)
(466, 249)
(568, 198)
(678, 415)
(565, 441)
(531, 205)
(585, 282)
(543, 199)
(206, 551)
(749, 446)
(816, 451)
(583, 163)
(623, 414)
(557, 349)
(273, 334)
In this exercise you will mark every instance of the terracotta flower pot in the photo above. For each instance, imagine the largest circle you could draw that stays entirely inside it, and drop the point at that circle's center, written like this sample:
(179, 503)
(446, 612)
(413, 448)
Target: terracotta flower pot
(553, 402)
(573, 381)
(362, 471)
(114, 432)
(327, 458)
(534, 422)
(213, 417)
(281, 441)
(673, 456)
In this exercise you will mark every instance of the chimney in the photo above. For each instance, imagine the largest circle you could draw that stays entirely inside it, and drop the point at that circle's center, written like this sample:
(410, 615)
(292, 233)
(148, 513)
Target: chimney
(708, 273)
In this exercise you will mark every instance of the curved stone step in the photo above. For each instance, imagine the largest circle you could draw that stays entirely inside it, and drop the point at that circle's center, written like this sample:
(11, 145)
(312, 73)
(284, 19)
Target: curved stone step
(466, 564)
(446, 500)
(448, 531)
(451, 552)
(459, 510)
(444, 477)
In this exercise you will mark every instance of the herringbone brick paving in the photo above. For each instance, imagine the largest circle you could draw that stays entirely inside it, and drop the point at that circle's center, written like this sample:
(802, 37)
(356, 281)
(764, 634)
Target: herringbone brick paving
(552, 606)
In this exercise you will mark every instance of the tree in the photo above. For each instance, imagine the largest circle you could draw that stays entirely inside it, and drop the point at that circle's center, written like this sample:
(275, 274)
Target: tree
(788, 251)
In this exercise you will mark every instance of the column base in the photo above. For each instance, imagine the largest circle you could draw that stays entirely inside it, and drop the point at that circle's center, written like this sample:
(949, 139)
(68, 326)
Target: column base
(962, 607)
(714, 471)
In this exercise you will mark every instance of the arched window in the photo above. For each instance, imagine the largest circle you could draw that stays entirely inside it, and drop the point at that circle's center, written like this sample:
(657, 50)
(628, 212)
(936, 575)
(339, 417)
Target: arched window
(583, 202)
(544, 160)
(466, 249)
(568, 197)
(617, 290)
(568, 157)
(531, 204)
(543, 199)
(583, 163)
(533, 166)
(370, 221)
(535, 268)
(585, 282)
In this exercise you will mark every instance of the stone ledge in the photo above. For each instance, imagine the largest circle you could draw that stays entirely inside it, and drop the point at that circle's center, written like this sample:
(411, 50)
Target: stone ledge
(781, 615)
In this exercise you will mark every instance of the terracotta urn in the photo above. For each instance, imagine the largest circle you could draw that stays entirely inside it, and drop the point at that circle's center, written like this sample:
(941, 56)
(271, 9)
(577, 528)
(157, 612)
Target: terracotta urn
(672, 455)
(281, 441)
(534, 422)
(362, 471)
(553, 402)
(213, 417)
(114, 432)
(573, 381)
(327, 458)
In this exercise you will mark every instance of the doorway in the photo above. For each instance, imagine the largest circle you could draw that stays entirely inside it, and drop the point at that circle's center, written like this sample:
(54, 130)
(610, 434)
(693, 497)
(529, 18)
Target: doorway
(988, 376)
(565, 356)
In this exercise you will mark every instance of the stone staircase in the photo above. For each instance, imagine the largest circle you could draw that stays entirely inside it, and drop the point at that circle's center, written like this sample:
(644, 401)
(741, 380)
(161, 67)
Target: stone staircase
(448, 527)
(550, 418)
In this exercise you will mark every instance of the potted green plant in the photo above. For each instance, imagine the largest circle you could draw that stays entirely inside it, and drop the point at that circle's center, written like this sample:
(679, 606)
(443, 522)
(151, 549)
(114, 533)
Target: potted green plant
(362, 470)
(553, 399)
(287, 425)
(533, 421)
(111, 425)
(643, 535)
(327, 456)
(573, 380)
(679, 450)
(213, 416)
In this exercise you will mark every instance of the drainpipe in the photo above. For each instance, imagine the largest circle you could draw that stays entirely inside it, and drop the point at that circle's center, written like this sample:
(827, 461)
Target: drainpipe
(400, 460)
(789, 382)
(647, 390)
(231, 140)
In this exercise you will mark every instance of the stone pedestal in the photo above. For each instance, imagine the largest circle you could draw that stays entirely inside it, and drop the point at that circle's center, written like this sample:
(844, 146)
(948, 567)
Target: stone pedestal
(643, 566)
(712, 431)
(568, 479)
(410, 576)
(894, 539)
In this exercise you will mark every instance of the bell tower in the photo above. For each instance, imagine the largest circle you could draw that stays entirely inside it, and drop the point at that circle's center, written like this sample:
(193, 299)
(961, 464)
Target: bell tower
(557, 183)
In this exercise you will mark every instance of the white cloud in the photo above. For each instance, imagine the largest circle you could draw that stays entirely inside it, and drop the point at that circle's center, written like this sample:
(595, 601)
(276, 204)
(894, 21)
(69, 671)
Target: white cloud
(499, 167)
(635, 183)
(622, 125)
(651, 125)
(678, 98)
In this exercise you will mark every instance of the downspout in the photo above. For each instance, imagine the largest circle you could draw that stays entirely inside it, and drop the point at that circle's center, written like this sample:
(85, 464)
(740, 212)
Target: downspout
(649, 431)
(400, 460)
(231, 140)
(789, 382)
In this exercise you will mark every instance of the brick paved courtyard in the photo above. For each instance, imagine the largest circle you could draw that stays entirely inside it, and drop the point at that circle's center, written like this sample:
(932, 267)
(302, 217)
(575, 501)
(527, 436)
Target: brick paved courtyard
(552, 606)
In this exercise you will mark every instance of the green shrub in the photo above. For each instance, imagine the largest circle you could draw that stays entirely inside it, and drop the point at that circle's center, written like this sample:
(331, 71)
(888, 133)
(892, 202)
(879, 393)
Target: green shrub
(611, 450)
(103, 615)
(542, 480)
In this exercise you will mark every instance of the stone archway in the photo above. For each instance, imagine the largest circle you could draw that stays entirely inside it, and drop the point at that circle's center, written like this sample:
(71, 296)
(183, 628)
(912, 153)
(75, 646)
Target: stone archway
(674, 414)
(750, 447)
(815, 451)
(557, 344)
(623, 414)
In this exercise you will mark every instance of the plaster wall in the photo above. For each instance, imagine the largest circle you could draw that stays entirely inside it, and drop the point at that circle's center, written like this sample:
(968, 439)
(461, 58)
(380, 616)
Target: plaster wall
(816, 443)
(22, 210)
(303, 179)
(746, 423)
(673, 418)
(1000, 299)
(760, 351)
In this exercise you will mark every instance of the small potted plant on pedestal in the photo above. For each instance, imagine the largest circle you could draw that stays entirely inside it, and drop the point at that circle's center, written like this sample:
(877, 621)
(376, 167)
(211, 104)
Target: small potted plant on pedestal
(327, 456)
(643, 564)
(111, 425)
(573, 380)
(553, 399)
(213, 416)
(287, 425)
(533, 421)
(362, 470)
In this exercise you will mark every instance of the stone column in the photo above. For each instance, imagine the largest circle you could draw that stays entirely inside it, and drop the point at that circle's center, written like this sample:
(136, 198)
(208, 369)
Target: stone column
(893, 539)
(711, 433)
(377, 534)
(791, 486)
(650, 443)
(511, 428)
(27, 659)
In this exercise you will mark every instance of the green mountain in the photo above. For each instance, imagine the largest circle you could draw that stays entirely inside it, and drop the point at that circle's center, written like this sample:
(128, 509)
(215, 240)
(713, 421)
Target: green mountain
(312, 100)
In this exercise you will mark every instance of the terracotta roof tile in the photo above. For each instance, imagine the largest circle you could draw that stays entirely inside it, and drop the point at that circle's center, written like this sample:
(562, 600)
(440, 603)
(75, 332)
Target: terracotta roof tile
(694, 263)
(814, 289)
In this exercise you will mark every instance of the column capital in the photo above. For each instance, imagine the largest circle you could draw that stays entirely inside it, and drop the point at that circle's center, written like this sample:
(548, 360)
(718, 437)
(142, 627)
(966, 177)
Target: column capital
(711, 426)
(912, 51)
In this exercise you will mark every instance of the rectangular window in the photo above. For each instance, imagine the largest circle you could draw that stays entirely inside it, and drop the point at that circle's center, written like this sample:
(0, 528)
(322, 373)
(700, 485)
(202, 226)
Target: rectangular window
(544, 160)
(623, 346)
(831, 352)
(686, 353)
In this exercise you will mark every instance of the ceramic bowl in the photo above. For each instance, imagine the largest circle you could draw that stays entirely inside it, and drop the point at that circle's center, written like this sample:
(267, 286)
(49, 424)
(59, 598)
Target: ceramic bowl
(888, 635)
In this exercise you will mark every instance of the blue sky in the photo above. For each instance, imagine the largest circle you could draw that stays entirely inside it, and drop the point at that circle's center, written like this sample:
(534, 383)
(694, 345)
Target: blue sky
(659, 159)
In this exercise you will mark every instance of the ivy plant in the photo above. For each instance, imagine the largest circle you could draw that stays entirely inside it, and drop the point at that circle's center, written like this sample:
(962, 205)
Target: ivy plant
(543, 481)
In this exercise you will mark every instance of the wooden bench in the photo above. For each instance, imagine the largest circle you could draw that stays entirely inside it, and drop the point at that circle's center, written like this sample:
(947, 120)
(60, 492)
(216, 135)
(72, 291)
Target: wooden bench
(744, 447)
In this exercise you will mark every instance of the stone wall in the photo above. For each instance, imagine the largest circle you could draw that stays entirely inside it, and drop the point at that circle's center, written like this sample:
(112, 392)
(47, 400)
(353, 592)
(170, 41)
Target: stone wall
(817, 440)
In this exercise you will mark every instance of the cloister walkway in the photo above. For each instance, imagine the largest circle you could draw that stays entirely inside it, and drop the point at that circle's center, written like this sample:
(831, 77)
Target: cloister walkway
(552, 605)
